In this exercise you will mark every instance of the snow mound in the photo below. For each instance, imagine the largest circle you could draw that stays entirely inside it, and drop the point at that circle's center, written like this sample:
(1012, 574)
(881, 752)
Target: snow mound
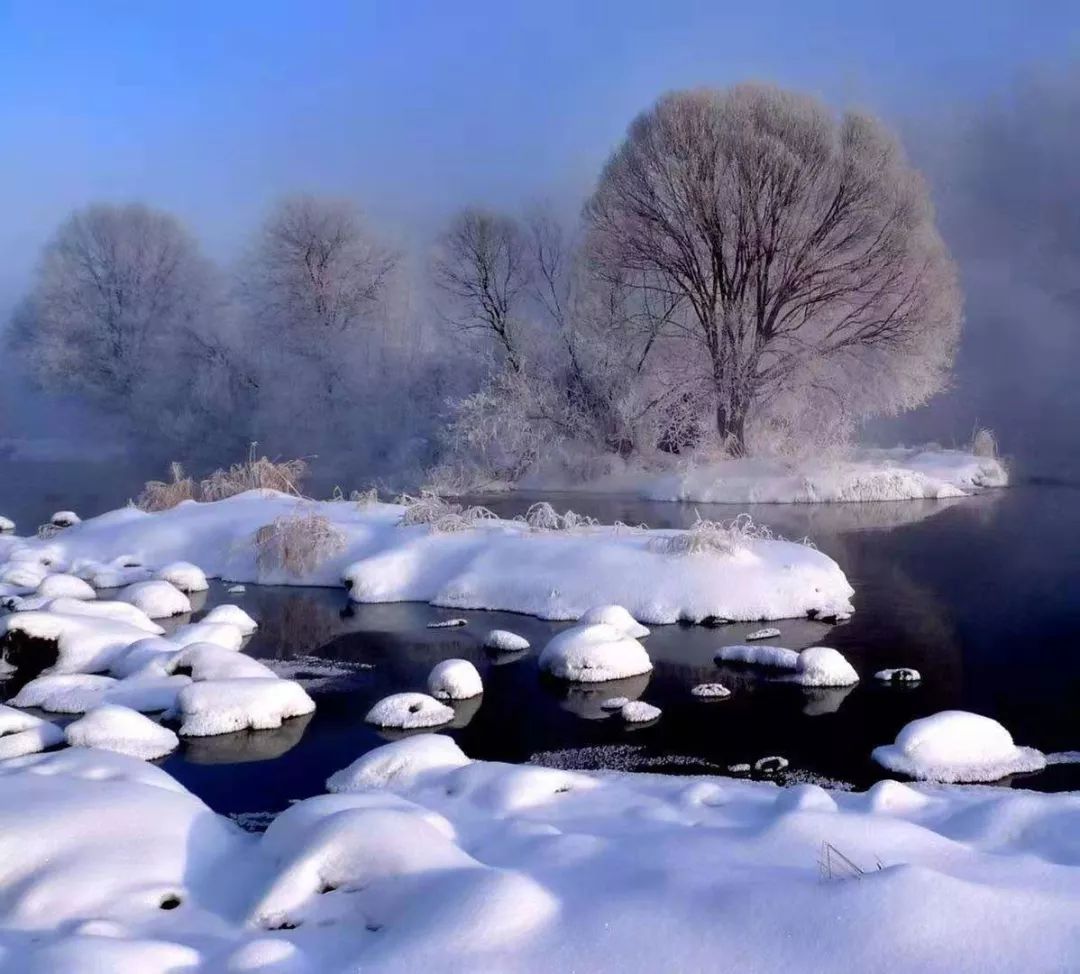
(711, 691)
(115, 576)
(639, 712)
(594, 654)
(448, 624)
(225, 635)
(122, 730)
(454, 679)
(770, 633)
(157, 598)
(232, 615)
(185, 576)
(65, 586)
(615, 616)
(68, 693)
(820, 666)
(399, 764)
(222, 706)
(22, 734)
(409, 711)
(209, 661)
(64, 519)
(6, 524)
(900, 674)
(503, 641)
(773, 656)
(957, 746)
(122, 612)
(145, 657)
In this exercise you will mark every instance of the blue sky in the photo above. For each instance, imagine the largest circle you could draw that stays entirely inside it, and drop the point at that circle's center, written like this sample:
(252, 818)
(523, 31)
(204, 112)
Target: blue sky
(214, 109)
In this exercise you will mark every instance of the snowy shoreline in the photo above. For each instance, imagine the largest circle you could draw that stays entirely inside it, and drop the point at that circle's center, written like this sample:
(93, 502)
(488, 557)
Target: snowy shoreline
(423, 859)
(866, 475)
(494, 564)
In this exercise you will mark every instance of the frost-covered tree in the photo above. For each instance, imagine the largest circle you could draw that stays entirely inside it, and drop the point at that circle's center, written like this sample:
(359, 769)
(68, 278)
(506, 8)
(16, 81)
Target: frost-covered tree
(117, 295)
(483, 268)
(798, 248)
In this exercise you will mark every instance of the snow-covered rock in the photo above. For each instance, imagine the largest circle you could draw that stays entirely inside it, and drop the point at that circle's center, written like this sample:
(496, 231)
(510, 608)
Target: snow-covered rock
(232, 615)
(6, 524)
(769, 633)
(711, 691)
(399, 763)
(771, 764)
(821, 666)
(185, 576)
(61, 585)
(117, 576)
(955, 745)
(110, 610)
(409, 711)
(123, 730)
(147, 657)
(157, 598)
(68, 693)
(209, 661)
(454, 679)
(448, 624)
(224, 634)
(222, 706)
(615, 616)
(639, 712)
(64, 519)
(84, 645)
(773, 656)
(503, 641)
(900, 674)
(22, 734)
(594, 654)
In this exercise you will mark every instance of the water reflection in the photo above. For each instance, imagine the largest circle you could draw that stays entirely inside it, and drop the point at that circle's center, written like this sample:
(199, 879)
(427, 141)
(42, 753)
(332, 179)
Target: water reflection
(247, 745)
(585, 699)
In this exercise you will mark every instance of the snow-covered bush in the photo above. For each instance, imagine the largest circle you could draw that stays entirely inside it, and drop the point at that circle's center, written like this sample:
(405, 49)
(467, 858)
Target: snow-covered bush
(296, 543)
(984, 443)
(440, 515)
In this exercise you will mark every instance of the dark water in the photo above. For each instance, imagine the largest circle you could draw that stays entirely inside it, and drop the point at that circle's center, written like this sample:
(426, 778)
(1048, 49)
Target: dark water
(982, 595)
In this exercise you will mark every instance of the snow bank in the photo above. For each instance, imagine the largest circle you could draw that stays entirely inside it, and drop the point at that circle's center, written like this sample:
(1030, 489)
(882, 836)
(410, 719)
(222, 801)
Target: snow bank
(122, 730)
(502, 641)
(594, 654)
(865, 475)
(223, 706)
(957, 746)
(424, 860)
(409, 711)
(157, 598)
(454, 679)
(496, 565)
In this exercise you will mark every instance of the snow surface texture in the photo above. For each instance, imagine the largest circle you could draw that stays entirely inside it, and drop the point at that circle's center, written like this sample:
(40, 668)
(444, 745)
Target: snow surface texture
(454, 679)
(594, 654)
(866, 475)
(957, 746)
(423, 860)
(496, 565)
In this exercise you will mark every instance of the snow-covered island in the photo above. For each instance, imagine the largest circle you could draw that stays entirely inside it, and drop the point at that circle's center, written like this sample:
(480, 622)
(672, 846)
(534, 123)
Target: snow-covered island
(432, 552)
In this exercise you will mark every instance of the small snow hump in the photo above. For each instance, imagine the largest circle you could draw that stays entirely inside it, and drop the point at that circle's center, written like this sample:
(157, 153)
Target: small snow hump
(899, 675)
(770, 633)
(710, 691)
(639, 712)
(448, 624)
(503, 641)
(454, 679)
(6, 524)
(409, 711)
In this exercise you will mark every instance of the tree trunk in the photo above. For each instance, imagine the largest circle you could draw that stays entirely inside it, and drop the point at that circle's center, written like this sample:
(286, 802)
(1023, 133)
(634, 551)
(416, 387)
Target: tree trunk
(731, 425)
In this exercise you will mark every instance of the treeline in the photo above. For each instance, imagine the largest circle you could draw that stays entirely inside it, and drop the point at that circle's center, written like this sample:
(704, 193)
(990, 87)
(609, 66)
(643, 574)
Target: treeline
(752, 273)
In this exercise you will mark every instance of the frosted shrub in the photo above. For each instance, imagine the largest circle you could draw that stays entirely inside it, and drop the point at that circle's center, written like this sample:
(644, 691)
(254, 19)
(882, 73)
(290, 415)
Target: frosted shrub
(296, 543)
(365, 498)
(163, 495)
(440, 515)
(543, 517)
(720, 537)
(984, 443)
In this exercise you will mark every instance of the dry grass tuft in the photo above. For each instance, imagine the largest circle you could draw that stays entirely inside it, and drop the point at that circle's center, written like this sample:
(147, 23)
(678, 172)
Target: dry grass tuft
(718, 537)
(163, 495)
(255, 473)
(365, 498)
(296, 543)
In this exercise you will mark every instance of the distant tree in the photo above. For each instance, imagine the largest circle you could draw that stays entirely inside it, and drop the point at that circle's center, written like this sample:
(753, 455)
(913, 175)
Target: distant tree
(484, 269)
(117, 294)
(799, 250)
